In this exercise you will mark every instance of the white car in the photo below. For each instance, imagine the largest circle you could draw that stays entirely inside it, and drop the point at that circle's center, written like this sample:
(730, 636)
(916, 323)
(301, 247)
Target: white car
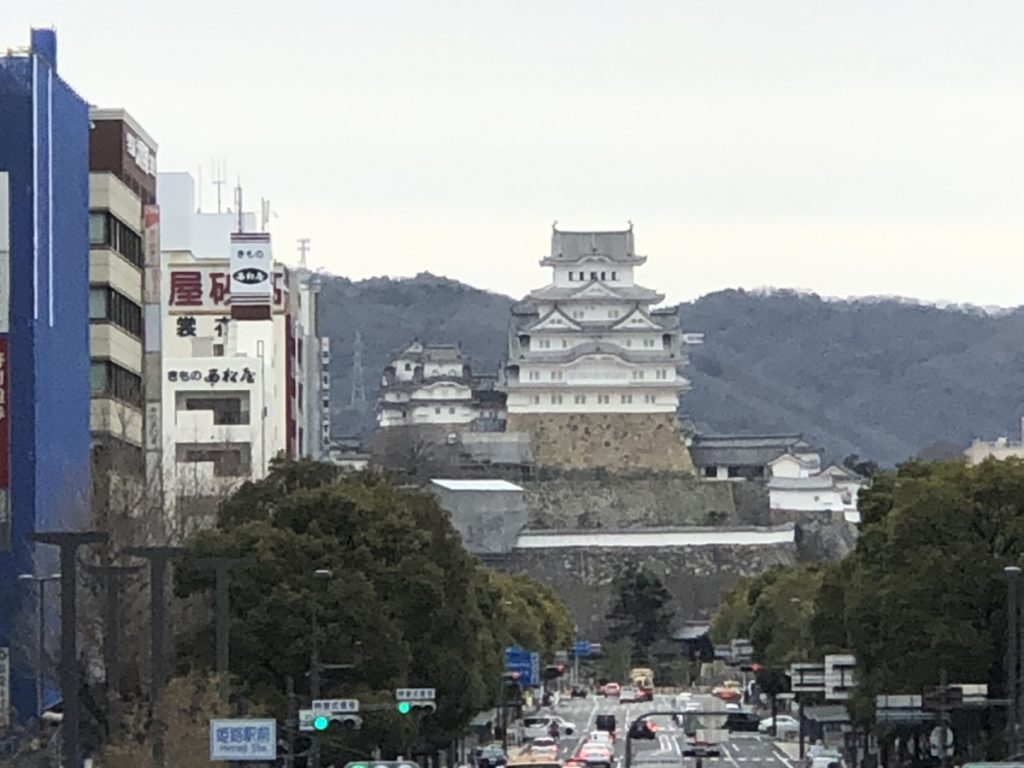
(539, 726)
(629, 694)
(600, 737)
(785, 726)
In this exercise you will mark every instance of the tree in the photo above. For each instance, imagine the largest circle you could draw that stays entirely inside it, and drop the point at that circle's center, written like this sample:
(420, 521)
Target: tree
(406, 603)
(640, 612)
(534, 615)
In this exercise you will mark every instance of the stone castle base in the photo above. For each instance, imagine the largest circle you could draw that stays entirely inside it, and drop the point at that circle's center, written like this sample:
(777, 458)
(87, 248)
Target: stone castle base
(618, 442)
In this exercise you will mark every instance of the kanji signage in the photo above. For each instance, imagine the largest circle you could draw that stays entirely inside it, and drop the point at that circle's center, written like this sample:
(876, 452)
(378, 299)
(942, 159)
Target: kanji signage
(335, 705)
(212, 376)
(251, 267)
(243, 739)
(201, 289)
(415, 694)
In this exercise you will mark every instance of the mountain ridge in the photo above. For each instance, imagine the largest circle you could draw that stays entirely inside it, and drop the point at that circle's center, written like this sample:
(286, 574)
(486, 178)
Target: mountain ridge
(883, 377)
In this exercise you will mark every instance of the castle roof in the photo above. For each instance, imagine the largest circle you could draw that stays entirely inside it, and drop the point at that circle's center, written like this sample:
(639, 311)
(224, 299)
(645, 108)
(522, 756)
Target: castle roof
(577, 247)
(744, 450)
(596, 348)
(595, 291)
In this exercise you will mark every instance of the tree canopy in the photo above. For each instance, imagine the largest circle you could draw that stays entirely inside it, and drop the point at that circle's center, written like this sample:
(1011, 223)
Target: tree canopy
(406, 604)
(640, 612)
(924, 589)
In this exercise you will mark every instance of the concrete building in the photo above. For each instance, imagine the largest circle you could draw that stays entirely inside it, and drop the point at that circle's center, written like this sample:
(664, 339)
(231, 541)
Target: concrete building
(489, 514)
(312, 369)
(1000, 449)
(433, 384)
(798, 483)
(44, 341)
(122, 184)
(591, 355)
(236, 388)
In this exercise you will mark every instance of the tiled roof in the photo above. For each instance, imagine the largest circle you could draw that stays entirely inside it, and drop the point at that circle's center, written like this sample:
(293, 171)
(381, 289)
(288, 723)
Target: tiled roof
(573, 247)
(743, 450)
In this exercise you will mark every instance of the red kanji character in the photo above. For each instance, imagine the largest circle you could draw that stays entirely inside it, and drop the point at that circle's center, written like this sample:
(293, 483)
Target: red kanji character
(186, 289)
(220, 287)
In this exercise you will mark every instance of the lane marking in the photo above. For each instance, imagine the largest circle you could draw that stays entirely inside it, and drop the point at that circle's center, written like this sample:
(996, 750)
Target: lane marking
(781, 757)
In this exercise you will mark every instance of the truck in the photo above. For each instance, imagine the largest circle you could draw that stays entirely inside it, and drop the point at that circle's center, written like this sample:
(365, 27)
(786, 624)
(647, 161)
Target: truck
(643, 679)
(705, 732)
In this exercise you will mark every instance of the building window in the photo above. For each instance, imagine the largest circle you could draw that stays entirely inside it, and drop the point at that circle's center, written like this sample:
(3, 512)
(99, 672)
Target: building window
(228, 408)
(613, 313)
(570, 277)
(580, 399)
(565, 343)
(108, 305)
(545, 343)
(581, 277)
(218, 350)
(602, 276)
(649, 342)
(534, 375)
(629, 342)
(408, 367)
(108, 379)
(626, 399)
(649, 399)
(437, 411)
(232, 460)
(556, 399)
(603, 399)
(615, 276)
(451, 410)
(536, 399)
(108, 231)
(710, 472)
(637, 375)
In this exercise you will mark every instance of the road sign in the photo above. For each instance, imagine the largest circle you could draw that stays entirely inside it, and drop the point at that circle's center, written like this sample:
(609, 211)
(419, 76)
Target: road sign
(335, 705)
(518, 660)
(243, 739)
(937, 697)
(306, 719)
(839, 681)
(807, 678)
(561, 657)
(581, 648)
(534, 668)
(415, 694)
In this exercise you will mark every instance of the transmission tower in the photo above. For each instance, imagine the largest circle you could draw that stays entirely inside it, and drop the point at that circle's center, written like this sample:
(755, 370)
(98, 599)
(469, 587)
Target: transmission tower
(358, 397)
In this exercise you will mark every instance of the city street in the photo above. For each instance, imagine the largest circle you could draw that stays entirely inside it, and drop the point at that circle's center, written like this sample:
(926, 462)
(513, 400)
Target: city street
(740, 750)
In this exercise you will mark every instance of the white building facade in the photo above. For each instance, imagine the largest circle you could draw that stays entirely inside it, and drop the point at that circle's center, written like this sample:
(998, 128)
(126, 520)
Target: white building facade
(238, 378)
(433, 384)
(799, 484)
(593, 341)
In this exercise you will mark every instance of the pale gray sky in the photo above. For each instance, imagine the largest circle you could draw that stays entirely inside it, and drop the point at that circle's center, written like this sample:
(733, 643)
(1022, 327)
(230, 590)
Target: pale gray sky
(844, 147)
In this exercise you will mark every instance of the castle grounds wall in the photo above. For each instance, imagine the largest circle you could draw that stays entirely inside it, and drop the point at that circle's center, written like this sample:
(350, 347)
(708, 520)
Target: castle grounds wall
(620, 442)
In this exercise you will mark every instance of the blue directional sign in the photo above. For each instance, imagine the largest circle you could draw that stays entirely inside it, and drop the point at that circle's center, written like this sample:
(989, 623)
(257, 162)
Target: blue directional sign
(581, 648)
(243, 739)
(525, 663)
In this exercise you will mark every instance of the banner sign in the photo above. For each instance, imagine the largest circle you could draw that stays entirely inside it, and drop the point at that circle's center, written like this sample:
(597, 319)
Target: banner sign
(202, 289)
(243, 739)
(251, 268)
(5, 255)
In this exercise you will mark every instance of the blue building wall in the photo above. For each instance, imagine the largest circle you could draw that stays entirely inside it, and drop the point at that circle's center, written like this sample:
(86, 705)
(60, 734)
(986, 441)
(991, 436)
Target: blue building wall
(44, 128)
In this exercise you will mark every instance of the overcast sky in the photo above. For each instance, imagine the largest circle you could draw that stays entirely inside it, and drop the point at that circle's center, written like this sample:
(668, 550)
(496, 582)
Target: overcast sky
(849, 148)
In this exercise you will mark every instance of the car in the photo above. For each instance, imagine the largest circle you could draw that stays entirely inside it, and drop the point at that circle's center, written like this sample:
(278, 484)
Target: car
(742, 722)
(629, 694)
(605, 738)
(732, 706)
(825, 758)
(491, 756)
(612, 689)
(643, 729)
(539, 726)
(605, 722)
(595, 755)
(786, 727)
(543, 746)
(728, 692)
(578, 692)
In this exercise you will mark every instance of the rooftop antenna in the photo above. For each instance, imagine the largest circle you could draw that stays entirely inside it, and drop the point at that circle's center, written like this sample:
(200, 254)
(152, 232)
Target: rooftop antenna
(238, 203)
(220, 173)
(303, 250)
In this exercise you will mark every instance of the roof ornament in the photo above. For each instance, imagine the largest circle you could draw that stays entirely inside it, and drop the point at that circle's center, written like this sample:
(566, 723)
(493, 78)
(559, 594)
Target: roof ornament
(593, 242)
(554, 225)
(630, 225)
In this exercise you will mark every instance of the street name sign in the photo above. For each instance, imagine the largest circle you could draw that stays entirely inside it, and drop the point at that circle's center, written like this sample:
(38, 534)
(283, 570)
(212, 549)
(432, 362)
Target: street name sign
(807, 678)
(415, 694)
(839, 680)
(335, 706)
(243, 739)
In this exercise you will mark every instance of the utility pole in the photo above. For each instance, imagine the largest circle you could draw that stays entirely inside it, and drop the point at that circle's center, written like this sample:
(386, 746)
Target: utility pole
(112, 576)
(943, 718)
(321, 574)
(158, 558)
(290, 723)
(1012, 579)
(223, 567)
(69, 543)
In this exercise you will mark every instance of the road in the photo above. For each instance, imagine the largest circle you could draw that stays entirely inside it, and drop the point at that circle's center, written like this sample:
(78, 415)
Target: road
(741, 750)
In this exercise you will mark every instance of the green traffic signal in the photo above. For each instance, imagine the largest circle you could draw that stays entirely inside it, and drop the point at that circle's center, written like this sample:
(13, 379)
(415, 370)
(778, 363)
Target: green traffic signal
(320, 723)
(404, 708)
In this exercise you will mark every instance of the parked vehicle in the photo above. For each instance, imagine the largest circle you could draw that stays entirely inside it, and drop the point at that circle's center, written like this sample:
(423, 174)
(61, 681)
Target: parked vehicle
(539, 726)
(612, 689)
(786, 727)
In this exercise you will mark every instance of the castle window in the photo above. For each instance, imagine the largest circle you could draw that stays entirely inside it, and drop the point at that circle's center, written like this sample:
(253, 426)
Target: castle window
(638, 374)
(536, 399)
(649, 399)
(627, 399)
(581, 276)
(648, 342)
(603, 399)
(629, 342)
(565, 343)
(615, 275)
(437, 411)
(602, 276)
(580, 399)
(593, 275)
(451, 410)
(570, 277)
(408, 367)
(556, 399)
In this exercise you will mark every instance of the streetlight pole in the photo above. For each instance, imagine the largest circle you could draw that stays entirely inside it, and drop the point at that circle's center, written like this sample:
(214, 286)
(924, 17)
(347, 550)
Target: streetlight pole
(1012, 579)
(223, 567)
(69, 542)
(315, 666)
(40, 582)
(158, 558)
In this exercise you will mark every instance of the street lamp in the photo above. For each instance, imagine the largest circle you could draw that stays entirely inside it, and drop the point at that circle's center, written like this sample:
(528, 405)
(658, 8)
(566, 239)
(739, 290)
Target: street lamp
(320, 574)
(1012, 578)
(40, 582)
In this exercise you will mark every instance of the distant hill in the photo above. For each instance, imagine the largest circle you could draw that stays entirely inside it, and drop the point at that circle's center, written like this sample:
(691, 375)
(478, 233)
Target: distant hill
(882, 378)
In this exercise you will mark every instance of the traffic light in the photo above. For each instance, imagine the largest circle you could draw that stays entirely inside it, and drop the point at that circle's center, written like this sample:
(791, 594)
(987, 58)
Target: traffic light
(554, 671)
(406, 707)
(344, 721)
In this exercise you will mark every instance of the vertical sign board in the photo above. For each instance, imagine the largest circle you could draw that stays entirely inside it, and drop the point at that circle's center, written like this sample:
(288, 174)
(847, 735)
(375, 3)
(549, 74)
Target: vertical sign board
(5, 687)
(243, 740)
(839, 681)
(252, 270)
